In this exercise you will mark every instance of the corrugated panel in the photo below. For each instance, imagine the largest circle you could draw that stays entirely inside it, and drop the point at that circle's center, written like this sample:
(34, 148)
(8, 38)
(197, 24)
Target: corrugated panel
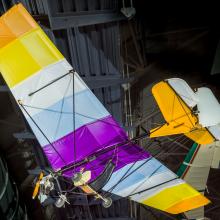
(92, 50)
(37, 7)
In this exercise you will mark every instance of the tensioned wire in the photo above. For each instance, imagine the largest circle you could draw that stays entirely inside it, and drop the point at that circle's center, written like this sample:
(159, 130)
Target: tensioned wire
(72, 113)
(73, 118)
(90, 117)
(74, 121)
(80, 114)
(127, 172)
(124, 176)
(42, 132)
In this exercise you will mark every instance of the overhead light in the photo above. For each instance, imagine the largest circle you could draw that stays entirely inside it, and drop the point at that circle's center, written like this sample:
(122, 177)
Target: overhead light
(130, 11)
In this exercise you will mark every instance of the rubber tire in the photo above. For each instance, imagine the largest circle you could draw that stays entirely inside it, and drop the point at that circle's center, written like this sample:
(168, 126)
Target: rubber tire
(59, 203)
(108, 203)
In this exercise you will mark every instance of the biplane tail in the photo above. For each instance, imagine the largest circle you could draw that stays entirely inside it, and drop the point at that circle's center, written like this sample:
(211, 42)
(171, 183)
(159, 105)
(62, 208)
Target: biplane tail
(186, 112)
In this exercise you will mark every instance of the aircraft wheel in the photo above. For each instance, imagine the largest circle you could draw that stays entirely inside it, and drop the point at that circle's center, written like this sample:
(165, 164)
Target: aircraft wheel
(60, 202)
(107, 202)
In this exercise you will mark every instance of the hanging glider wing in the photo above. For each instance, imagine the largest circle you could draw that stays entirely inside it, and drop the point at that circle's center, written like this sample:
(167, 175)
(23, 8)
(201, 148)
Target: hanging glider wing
(72, 125)
(195, 170)
(196, 115)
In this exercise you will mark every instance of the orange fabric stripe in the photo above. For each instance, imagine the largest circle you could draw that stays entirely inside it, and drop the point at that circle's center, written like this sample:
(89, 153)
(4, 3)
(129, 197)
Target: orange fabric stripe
(6, 36)
(14, 23)
(87, 189)
(26, 55)
(188, 204)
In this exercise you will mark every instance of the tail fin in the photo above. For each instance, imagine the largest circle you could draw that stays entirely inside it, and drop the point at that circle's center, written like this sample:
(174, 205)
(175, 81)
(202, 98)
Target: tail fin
(178, 115)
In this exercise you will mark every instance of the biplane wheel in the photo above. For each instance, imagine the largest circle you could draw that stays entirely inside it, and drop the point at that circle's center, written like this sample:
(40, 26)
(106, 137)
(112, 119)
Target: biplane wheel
(60, 202)
(107, 202)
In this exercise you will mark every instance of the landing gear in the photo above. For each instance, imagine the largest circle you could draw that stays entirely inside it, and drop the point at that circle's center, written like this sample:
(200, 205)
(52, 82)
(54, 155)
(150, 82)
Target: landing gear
(107, 202)
(44, 187)
(60, 202)
(81, 180)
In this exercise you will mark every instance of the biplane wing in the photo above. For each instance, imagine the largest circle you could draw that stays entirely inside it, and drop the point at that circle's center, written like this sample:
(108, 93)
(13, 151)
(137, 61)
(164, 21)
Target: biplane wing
(195, 170)
(73, 128)
(194, 114)
(208, 107)
(215, 131)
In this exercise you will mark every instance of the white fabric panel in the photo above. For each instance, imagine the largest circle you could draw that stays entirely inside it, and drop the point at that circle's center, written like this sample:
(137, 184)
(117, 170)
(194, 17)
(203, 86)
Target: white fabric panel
(52, 107)
(215, 131)
(52, 93)
(208, 107)
(184, 91)
(87, 110)
(147, 176)
(216, 156)
(149, 193)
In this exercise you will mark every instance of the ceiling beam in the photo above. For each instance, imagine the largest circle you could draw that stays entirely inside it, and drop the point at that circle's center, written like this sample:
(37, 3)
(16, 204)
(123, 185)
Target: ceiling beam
(95, 82)
(66, 20)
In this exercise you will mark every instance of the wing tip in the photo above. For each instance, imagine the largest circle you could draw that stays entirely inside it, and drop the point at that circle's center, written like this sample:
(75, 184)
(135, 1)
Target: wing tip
(188, 204)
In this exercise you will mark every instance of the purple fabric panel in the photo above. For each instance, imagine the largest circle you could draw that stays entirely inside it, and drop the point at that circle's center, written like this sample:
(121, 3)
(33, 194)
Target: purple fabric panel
(126, 154)
(90, 139)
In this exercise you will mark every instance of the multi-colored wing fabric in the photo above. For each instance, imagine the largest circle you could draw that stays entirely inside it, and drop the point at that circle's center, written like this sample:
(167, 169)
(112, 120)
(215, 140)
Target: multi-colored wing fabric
(71, 124)
(195, 170)
(151, 183)
(195, 114)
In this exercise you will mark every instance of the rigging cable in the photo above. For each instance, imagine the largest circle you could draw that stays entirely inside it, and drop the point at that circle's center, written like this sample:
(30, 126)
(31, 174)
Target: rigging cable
(20, 103)
(61, 109)
(74, 121)
(77, 113)
(125, 177)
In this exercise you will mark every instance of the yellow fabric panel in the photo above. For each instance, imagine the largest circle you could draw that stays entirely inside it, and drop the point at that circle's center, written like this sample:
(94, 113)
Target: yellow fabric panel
(200, 136)
(16, 63)
(174, 195)
(177, 114)
(6, 36)
(170, 129)
(18, 20)
(27, 55)
(188, 204)
(172, 106)
(41, 48)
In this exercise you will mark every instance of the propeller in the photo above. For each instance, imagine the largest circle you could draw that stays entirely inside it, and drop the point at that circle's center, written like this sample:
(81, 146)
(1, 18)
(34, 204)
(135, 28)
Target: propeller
(37, 185)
